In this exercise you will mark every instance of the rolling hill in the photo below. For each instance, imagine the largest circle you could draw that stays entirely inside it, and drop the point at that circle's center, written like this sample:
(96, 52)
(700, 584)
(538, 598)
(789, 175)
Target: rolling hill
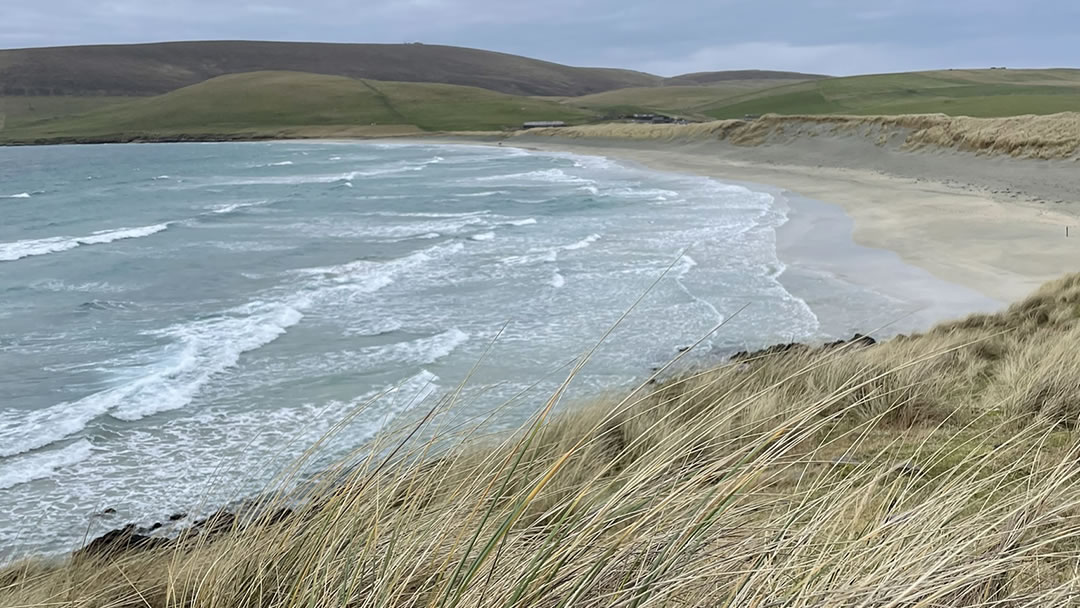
(684, 100)
(153, 69)
(976, 93)
(291, 104)
(713, 78)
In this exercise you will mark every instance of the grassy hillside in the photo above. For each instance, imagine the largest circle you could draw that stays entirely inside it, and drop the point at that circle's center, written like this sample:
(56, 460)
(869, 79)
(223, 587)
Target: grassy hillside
(673, 99)
(938, 470)
(15, 111)
(152, 69)
(978, 93)
(713, 78)
(269, 104)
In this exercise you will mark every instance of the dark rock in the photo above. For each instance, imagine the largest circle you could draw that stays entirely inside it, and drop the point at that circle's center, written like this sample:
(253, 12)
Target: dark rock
(856, 340)
(119, 541)
(109, 511)
(775, 349)
(156, 526)
(219, 522)
(177, 516)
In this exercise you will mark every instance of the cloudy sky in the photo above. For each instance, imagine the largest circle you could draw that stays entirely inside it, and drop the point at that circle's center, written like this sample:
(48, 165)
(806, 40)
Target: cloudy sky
(670, 37)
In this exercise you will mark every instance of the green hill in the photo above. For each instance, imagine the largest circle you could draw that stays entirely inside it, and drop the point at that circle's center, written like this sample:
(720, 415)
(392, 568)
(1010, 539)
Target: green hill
(675, 99)
(714, 78)
(276, 104)
(978, 93)
(153, 69)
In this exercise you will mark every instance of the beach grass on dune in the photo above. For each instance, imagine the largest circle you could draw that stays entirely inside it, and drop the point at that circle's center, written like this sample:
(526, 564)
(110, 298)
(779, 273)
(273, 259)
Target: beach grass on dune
(1042, 137)
(932, 470)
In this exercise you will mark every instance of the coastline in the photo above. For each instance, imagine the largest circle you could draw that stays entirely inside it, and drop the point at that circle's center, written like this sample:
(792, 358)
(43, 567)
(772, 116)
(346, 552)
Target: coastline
(965, 231)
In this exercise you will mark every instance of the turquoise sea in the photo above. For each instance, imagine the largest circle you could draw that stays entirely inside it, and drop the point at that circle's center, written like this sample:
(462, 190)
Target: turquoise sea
(172, 315)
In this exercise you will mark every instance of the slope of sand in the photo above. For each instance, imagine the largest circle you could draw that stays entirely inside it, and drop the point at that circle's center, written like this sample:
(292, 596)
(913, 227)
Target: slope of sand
(994, 224)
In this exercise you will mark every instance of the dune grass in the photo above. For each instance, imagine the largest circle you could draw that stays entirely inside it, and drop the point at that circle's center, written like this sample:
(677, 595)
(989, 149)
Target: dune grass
(1055, 136)
(264, 104)
(933, 470)
(976, 93)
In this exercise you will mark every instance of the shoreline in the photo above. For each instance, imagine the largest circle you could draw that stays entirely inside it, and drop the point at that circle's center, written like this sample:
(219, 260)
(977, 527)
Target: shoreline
(1001, 246)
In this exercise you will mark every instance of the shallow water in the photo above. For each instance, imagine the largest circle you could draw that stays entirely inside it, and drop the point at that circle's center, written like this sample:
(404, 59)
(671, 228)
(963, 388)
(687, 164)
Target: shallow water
(178, 321)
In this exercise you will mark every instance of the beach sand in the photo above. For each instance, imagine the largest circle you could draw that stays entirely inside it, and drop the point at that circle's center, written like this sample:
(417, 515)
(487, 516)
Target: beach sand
(994, 225)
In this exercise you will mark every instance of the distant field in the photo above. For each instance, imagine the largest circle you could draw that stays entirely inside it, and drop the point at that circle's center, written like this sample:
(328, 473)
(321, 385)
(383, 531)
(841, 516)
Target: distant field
(977, 93)
(682, 100)
(270, 104)
(16, 111)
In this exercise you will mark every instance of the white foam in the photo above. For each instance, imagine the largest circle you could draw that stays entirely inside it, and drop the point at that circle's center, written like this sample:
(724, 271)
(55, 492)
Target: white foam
(19, 195)
(682, 269)
(284, 163)
(161, 177)
(40, 466)
(221, 209)
(426, 350)
(483, 194)
(525, 222)
(201, 350)
(583, 243)
(375, 328)
(425, 214)
(18, 250)
(197, 351)
(368, 276)
(554, 176)
(483, 236)
(94, 286)
(558, 280)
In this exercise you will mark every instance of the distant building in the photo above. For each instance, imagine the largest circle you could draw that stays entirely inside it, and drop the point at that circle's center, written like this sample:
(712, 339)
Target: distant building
(652, 118)
(539, 124)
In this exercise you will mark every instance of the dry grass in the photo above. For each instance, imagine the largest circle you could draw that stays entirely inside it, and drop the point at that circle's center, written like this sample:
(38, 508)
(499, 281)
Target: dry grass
(1044, 137)
(933, 470)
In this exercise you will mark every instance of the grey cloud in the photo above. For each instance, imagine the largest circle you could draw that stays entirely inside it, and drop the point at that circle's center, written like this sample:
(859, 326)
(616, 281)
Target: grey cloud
(674, 36)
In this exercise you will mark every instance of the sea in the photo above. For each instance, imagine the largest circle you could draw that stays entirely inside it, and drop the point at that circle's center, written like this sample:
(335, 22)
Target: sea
(178, 322)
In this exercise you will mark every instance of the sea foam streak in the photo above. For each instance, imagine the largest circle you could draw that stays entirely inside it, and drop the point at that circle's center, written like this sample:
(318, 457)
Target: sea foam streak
(19, 195)
(9, 252)
(198, 351)
(583, 243)
(39, 466)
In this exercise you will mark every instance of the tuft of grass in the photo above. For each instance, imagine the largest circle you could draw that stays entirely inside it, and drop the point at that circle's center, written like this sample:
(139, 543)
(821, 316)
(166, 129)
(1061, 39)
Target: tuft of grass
(940, 469)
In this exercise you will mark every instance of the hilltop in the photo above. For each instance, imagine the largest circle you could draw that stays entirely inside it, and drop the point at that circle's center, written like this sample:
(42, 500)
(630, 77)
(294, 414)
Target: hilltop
(153, 69)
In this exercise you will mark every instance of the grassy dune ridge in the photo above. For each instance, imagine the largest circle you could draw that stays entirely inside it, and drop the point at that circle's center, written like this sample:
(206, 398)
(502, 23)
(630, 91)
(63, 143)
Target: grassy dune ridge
(1044, 137)
(934, 470)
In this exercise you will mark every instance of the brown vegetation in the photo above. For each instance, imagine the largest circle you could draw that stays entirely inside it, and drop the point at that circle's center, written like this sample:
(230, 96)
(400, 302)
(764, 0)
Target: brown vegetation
(932, 470)
(1055, 136)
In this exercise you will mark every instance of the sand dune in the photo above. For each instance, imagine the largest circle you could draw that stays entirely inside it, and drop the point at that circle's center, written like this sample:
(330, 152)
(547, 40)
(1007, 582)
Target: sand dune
(1056, 136)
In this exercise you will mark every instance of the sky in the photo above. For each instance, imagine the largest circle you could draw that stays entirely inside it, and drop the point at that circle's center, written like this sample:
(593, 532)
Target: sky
(837, 37)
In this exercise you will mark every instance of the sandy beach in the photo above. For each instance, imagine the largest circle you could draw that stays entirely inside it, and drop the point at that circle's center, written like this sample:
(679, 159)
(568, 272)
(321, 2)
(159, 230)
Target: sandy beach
(994, 225)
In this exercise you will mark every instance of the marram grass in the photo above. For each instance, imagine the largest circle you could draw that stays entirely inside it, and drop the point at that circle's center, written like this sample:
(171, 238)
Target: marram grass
(935, 470)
